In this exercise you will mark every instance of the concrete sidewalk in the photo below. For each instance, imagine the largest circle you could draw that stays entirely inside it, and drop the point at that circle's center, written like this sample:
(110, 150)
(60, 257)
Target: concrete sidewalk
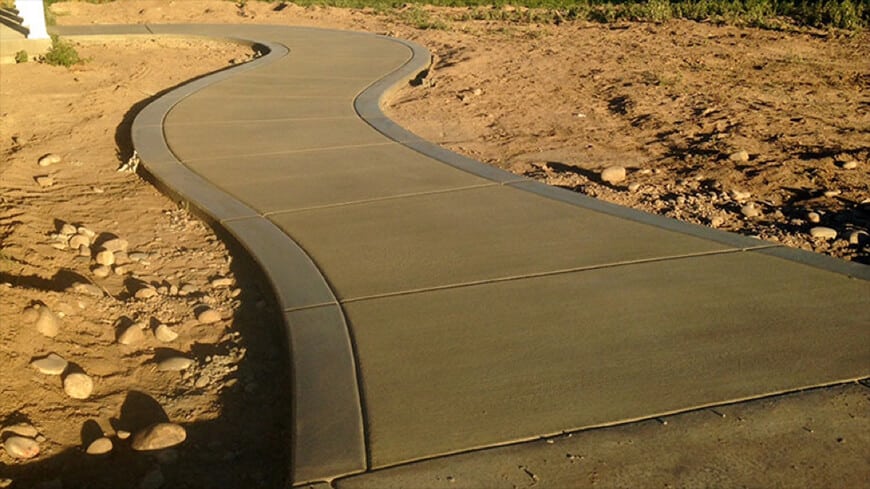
(436, 305)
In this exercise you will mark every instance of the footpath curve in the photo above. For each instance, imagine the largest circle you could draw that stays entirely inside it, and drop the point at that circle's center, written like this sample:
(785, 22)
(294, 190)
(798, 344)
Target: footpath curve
(436, 305)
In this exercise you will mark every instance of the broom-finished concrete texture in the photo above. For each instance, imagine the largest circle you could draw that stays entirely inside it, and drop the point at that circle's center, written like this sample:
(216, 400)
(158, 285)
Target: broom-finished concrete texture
(436, 305)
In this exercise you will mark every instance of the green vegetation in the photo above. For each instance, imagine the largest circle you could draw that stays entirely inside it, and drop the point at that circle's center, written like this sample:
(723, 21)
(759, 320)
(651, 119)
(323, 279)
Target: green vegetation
(843, 14)
(61, 53)
(21, 56)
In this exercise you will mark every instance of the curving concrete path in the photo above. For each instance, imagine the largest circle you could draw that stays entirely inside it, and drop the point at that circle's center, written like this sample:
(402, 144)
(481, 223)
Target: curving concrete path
(436, 305)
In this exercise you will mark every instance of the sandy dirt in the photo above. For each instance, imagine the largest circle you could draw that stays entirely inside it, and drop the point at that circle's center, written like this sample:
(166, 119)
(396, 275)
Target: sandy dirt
(670, 103)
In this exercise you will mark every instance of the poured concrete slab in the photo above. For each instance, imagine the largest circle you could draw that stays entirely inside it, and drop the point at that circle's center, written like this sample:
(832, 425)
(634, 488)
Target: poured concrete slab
(308, 87)
(467, 236)
(451, 370)
(205, 107)
(331, 177)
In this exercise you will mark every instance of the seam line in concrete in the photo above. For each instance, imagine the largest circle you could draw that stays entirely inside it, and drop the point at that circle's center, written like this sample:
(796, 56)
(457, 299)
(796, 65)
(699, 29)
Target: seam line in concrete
(550, 273)
(282, 119)
(289, 152)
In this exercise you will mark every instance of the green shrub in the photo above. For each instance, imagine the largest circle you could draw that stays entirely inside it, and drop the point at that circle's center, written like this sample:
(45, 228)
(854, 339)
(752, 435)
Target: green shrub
(61, 53)
(21, 56)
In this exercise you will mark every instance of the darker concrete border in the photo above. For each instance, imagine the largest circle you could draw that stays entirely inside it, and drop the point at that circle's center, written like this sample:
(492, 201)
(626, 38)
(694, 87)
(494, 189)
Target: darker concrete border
(368, 107)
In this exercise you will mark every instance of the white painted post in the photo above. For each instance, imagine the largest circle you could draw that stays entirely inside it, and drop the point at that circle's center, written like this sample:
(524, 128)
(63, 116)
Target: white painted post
(33, 13)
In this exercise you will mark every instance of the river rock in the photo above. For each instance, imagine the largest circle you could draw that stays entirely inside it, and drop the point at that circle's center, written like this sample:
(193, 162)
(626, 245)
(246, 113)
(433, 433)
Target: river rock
(750, 210)
(49, 159)
(740, 195)
(21, 429)
(814, 217)
(21, 447)
(44, 181)
(174, 364)
(67, 229)
(79, 240)
(51, 364)
(132, 335)
(146, 293)
(87, 289)
(208, 316)
(100, 446)
(30, 315)
(84, 251)
(823, 232)
(158, 436)
(101, 271)
(105, 258)
(48, 323)
(740, 156)
(613, 174)
(849, 165)
(222, 282)
(78, 385)
(164, 333)
(115, 244)
(855, 237)
(86, 232)
(122, 435)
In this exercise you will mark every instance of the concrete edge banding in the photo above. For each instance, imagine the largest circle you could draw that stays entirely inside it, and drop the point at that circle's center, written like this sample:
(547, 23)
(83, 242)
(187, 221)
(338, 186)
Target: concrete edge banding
(297, 283)
(368, 107)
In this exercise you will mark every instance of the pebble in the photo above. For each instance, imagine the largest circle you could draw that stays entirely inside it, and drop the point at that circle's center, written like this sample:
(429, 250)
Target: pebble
(740, 195)
(132, 335)
(823, 232)
(51, 364)
(613, 174)
(153, 479)
(44, 181)
(87, 289)
(79, 240)
(634, 187)
(115, 244)
(4, 482)
(105, 257)
(173, 290)
(48, 323)
(21, 447)
(67, 229)
(750, 211)
(208, 316)
(717, 221)
(21, 429)
(221, 282)
(158, 436)
(855, 237)
(145, 293)
(49, 159)
(137, 256)
(741, 156)
(122, 435)
(120, 270)
(164, 333)
(850, 165)
(78, 385)
(237, 292)
(59, 246)
(187, 289)
(101, 271)
(121, 258)
(201, 382)
(30, 315)
(86, 232)
(100, 446)
(832, 193)
(174, 364)
(814, 217)
(84, 251)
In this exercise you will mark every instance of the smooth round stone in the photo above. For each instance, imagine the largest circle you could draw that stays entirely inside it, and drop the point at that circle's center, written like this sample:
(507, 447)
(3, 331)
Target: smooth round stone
(115, 244)
(741, 156)
(21, 447)
(814, 217)
(84, 251)
(223, 282)
(850, 165)
(158, 436)
(174, 364)
(49, 159)
(717, 221)
(856, 236)
(165, 334)
(208, 316)
(50, 364)
(823, 232)
(101, 271)
(79, 240)
(67, 229)
(48, 323)
(21, 429)
(78, 385)
(832, 193)
(122, 435)
(105, 258)
(30, 315)
(121, 258)
(145, 293)
(613, 174)
(87, 289)
(100, 446)
(749, 210)
(132, 335)
(86, 232)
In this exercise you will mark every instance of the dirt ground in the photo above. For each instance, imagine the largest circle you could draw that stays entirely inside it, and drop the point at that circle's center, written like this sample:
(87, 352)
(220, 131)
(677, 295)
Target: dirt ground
(671, 103)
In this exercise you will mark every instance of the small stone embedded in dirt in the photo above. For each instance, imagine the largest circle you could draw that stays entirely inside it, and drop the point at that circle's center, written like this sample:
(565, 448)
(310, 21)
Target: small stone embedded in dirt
(115, 244)
(79, 240)
(855, 237)
(201, 382)
(84, 251)
(208, 316)
(21, 429)
(119, 270)
(613, 174)
(137, 256)
(44, 181)
(740, 195)
(105, 258)
(153, 479)
(87, 289)
(146, 293)
(122, 434)
(132, 335)
(716, 221)
(21, 447)
(48, 323)
(51, 364)
(101, 271)
(49, 159)
(832, 193)
(67, 229)
(30, 315)
(222, 282)
(121, 258)
(187, 289)
(235, 293)
(86, 232)
(741, 156)
(164, 333)
(849, 165)
(634, 187)
(823, 232)
(158, 436)
(174, 364)
(78, 385)
(814, 217)
(750, 210)
(100, 446)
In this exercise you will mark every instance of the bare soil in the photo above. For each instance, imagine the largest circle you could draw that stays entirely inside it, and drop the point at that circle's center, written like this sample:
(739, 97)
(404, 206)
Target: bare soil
(669, 102)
